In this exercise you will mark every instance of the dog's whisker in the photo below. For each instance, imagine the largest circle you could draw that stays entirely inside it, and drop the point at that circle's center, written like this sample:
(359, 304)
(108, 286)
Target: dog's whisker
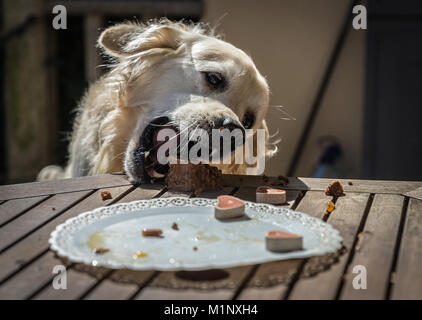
(274, 134)
(187, 128)
(289, 117)
(119, 155)
(175, 136)
(187, 142)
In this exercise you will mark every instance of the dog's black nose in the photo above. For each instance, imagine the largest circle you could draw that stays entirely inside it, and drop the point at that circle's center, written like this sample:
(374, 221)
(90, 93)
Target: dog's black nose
(229, 123)
(232, 124)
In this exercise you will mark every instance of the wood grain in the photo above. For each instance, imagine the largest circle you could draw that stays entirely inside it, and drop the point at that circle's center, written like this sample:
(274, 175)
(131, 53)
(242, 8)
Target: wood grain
(319, 184)
(370, 237)
(113, 180)
(83, 282)
(36, 243)
(314, 204)
(375, 248)
(407, 283)
(31, 278)
(235, 275)
(345, 218)
(25, 190)
(13, 208)
(37, 216)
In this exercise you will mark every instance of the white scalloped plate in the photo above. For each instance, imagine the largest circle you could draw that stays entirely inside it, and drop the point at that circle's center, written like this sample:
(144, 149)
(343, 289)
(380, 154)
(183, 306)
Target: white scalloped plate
(220, 244)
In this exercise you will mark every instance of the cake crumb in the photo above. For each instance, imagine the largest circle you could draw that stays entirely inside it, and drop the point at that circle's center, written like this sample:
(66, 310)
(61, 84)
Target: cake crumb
(152, 232)
(334, 189)
(140, 254)
(105, 195)
(330, 208)
(101, 250)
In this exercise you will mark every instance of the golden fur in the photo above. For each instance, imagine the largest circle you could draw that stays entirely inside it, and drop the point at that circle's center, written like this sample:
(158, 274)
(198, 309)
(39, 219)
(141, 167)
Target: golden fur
(156, 70)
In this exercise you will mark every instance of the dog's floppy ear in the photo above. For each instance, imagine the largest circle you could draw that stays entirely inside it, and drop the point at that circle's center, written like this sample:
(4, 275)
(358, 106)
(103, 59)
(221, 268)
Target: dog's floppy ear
(124, 40)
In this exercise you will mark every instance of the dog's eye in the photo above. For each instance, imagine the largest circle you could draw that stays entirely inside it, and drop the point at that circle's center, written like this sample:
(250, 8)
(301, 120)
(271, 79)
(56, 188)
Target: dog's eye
(248, 120)
(215, 80)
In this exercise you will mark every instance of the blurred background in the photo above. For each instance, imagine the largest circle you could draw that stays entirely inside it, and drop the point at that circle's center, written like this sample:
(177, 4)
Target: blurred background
(351, 99)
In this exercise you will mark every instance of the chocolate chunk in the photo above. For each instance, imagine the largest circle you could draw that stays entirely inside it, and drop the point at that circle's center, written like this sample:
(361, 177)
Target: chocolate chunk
(101, 250)
(152, 232)
(193, 177)
(105, 195)
(334, 189)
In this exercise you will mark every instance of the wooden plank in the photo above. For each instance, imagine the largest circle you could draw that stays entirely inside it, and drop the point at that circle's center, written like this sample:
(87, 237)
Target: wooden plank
(319, 184)
(142, 193)
(214, 194)
(77, 283)
(249, 194)
(22, 287)
(25, 190)
(13, 208)
(407, 277)
(114, 180)
(346, 218)
(35, 244)
(110, 290)
(235, 276)
(375, 248)
(119, 290)
(314, 204)
(37, 216)
(82, 283)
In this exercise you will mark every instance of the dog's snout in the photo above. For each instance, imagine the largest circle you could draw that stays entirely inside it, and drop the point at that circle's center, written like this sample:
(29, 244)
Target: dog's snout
(231, 124)
(235, 128)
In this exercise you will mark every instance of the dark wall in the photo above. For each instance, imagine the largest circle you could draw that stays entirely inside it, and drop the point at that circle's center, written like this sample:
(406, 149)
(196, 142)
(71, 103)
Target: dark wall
(393, 126)
(2, 105)
(71, 82)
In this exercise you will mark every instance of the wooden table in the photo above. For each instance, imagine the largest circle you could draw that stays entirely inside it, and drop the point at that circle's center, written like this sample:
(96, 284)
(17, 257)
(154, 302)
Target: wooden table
(381, 227)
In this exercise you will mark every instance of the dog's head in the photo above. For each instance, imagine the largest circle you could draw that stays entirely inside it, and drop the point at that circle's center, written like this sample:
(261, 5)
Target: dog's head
(183, 77)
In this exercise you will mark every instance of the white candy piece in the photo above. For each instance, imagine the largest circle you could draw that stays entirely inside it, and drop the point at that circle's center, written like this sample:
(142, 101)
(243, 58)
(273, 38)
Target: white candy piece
(270, 195)
(229, 207)
(280, 241)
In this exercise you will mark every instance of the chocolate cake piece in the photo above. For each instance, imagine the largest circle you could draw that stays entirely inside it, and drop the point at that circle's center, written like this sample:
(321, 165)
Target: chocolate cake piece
(193, 177)
(334, 189)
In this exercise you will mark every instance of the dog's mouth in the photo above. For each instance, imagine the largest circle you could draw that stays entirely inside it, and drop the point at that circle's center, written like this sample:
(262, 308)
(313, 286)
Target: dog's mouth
(150, 143)
(146, 156)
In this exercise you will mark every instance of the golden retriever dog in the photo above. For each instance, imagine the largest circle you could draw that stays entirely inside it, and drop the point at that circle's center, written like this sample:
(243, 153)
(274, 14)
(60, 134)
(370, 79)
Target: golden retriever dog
(161, 73)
